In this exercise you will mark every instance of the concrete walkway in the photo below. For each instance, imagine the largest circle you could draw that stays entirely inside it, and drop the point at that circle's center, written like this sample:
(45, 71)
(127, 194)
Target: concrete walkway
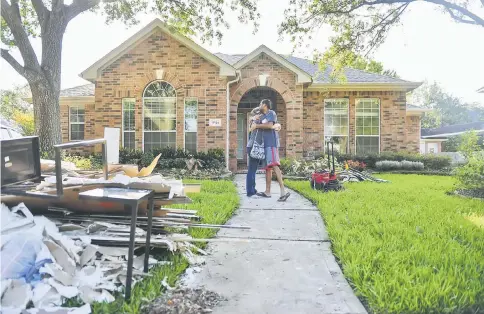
(285, 267)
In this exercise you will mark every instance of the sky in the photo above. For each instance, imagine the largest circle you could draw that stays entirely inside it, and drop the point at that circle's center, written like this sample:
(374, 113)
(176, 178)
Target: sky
(427, 46)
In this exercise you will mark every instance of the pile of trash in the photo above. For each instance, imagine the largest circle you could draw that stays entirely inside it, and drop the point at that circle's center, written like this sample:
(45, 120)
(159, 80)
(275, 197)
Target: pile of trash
(184, 300)
(352, 175)
(45, 262)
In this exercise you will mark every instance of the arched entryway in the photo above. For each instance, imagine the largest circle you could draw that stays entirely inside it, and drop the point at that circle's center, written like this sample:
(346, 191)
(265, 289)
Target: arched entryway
(250, 100)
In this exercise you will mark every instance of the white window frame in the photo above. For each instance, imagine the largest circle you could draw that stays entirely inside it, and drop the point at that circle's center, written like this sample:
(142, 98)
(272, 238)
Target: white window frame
(348, 126)
(122, 119)
(143, 112)
(379, 123)
(184, 132)
(71, 123)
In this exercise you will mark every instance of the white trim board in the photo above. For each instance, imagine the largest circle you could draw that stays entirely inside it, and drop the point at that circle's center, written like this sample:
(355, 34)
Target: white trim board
(450, 134)
(302, 77)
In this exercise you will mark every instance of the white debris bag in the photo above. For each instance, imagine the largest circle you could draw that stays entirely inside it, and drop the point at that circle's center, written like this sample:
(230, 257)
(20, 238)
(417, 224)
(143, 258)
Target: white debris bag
(22, 257)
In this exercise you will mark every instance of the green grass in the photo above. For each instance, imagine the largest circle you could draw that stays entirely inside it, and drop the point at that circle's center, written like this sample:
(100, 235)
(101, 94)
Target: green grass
(215, 203)
(406, 246)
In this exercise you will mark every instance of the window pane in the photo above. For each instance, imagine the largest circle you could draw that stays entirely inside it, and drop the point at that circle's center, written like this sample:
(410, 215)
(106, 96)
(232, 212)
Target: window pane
(129, 140)
(159, 89)
(128, 114)
(159, 140)
(191, 114)
(367, 116)
(76, 121)
(160, 114)
(77, 132)
(336, 117)
(191, 141)
(159, 111)
(367, 144)
(340, 144)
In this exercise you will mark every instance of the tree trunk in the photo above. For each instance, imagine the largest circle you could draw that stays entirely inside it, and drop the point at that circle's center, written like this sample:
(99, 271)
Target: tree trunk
(47, 116)
(45, 93)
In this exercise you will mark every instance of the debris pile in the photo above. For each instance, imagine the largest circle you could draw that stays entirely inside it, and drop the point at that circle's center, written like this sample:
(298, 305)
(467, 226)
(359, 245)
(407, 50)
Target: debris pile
(352, 175)
(57, 245)
(186, 301)
(46, 262)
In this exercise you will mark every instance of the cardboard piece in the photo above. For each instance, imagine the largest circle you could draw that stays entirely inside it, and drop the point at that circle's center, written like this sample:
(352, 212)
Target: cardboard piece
(146, 171)
(112, 135)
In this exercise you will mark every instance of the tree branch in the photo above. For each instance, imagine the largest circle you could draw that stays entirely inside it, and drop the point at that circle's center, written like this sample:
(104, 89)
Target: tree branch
(40, 10)
(30, 75)
(21, 38)
(79, 6)
(16, 8)
(448, 5)
(11, 60)
(460, 19)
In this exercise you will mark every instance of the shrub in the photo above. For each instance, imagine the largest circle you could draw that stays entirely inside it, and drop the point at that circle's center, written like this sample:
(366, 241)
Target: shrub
(81, 162)
(26, 121)
(412, 165)
(130, 156)
(471, 174)
(357, 165)
(385, 165)
(430, 161)
(173, 158)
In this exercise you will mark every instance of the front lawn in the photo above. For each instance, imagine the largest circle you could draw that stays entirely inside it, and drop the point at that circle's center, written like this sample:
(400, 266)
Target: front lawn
(406, 246)
(216, 203)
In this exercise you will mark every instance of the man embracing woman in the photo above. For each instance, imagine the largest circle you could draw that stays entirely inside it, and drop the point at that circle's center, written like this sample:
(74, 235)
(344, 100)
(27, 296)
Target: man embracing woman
(263, 149)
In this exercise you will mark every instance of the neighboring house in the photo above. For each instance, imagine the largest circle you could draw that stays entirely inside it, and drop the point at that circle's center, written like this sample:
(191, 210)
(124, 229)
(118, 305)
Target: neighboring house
(164, 90)
(431, 141)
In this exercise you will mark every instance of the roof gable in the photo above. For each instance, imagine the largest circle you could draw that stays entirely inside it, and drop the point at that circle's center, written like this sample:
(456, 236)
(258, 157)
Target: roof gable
(354, 77)
(302, 76)
(93, 72)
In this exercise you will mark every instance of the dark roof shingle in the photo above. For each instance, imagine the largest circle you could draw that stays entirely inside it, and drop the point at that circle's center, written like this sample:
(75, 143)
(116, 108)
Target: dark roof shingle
(451, 129)
(78, 91)
(352, 75)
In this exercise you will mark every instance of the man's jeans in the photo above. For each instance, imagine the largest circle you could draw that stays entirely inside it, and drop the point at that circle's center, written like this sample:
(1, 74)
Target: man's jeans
(250, 180)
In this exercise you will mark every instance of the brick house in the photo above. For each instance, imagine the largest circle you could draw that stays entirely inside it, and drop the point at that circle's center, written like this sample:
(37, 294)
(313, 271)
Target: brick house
(162, 89)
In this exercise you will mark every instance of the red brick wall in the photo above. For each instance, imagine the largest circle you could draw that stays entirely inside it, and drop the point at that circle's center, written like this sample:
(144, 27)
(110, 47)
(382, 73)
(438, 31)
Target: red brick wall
(192, 76)
(397, 132)
(413, 134)
(89, 119)
(186, 71)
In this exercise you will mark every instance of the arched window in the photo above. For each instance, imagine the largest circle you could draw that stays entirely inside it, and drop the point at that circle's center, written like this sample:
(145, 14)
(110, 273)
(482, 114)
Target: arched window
(159, 116)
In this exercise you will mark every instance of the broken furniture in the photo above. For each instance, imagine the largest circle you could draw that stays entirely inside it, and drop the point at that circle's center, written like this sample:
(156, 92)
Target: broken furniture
(21, 166)
(132, 199)
(21, 171)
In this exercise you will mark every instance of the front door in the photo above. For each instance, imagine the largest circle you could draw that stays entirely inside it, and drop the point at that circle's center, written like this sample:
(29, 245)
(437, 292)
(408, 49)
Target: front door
(241, 136)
